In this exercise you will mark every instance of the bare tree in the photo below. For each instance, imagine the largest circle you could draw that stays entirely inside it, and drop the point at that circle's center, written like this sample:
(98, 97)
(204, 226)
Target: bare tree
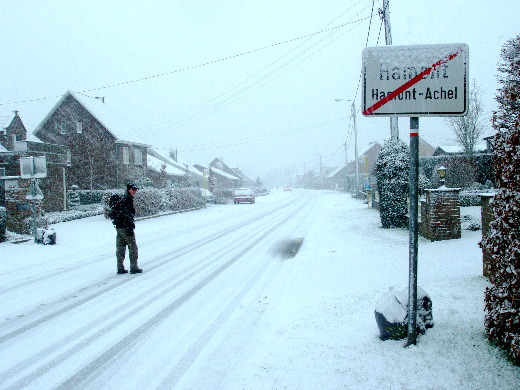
(468, 129)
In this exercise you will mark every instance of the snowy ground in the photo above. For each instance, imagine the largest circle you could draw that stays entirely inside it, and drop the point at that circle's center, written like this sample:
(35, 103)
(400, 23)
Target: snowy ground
(222, 306)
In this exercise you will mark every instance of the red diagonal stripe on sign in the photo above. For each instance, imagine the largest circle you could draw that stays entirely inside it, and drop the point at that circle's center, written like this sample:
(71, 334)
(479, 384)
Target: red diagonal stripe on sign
(410, 82)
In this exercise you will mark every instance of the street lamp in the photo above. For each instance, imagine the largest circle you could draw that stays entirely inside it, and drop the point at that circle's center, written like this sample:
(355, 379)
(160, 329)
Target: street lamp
(441, 171)
(353, 115)
(321, 172)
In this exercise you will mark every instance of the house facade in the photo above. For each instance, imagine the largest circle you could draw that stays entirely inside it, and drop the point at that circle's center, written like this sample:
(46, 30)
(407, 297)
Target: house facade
(167, 172)
(103, 150)
(222, 176)
(12, 129)
(16, 143)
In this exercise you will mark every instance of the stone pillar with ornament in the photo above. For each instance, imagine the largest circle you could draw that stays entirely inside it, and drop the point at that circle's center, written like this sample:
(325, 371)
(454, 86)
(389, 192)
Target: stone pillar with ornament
(440, 214)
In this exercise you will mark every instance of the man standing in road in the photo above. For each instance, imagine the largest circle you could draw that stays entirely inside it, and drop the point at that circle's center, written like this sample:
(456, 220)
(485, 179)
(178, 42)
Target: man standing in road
(122, 214)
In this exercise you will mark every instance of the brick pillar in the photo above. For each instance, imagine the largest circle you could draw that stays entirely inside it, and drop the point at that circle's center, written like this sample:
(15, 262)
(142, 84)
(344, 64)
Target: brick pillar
(486, 205)
(440, 214)
(18, 208)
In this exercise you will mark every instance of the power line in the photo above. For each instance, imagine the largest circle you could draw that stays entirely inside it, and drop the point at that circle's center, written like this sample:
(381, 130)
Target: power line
(189, 67)
(248, 89)
(249, 140)
(202, 111)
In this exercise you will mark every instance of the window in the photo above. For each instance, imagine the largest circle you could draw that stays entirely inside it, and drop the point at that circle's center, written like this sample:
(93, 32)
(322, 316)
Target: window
(79, 127)
(126, 155)
(63, 127)
(2, 171)
(138, 156)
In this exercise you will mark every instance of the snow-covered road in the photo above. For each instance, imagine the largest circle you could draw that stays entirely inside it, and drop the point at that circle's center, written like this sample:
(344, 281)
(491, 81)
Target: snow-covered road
(222, 305)
(68, 321)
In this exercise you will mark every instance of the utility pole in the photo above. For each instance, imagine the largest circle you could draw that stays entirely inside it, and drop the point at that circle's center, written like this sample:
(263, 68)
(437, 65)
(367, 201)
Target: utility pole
(321, 175)
(355, 149)
(384, 14)
(346, 166)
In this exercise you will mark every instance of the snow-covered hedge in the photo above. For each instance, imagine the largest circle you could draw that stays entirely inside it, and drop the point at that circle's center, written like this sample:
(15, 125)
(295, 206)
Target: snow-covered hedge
(223, 196)
(460, 173)
(46, 219)
(150, 201)
(470, 198)
(503, 239)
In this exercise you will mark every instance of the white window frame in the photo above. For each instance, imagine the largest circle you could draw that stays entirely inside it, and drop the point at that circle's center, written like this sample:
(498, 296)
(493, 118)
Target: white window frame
(138, 156)
(63, 127)
(126, 155)
(2, 171)
(79, 127)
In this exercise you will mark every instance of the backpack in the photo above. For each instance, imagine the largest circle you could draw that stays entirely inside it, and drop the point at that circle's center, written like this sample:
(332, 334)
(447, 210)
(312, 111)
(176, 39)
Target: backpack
(114, 206)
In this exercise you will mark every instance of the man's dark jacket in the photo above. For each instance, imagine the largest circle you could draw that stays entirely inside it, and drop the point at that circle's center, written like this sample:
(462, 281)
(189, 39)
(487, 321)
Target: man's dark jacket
(123, 216)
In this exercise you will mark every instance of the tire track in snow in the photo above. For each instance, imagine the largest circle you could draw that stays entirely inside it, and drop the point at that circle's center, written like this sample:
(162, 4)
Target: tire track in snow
(110, 284)
(128, 341)
(79, 379)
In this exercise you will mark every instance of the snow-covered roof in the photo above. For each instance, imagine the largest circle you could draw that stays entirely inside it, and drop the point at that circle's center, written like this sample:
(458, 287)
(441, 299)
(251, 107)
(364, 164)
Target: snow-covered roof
(2, 149)
(181, 167)
(335, 172)
(452, 148)
(157, 164)
(6, 119)
(105, 114)
(31, 137)
(225, 174)
(459, 149)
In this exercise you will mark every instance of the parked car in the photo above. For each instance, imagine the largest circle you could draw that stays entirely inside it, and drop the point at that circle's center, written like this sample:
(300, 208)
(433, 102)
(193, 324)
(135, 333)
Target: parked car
(287, 188)
(243, 195)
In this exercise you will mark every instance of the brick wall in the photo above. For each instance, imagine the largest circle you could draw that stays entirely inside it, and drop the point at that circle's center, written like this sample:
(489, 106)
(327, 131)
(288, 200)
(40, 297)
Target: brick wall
(17, 207)
(440, 214)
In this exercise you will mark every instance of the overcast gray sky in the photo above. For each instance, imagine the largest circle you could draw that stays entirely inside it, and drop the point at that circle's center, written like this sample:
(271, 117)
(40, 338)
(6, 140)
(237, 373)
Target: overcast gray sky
(253, 82)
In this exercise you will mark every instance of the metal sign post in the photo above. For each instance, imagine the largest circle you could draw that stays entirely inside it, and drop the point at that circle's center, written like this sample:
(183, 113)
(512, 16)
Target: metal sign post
(33, 168)
(414, 81)
(413, 230)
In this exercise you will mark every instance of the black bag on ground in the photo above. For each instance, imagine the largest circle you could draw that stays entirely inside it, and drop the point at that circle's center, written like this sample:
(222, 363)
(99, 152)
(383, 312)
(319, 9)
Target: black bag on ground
(392, 314)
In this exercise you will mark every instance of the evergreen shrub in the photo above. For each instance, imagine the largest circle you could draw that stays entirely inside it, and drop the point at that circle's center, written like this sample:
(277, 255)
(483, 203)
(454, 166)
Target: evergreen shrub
(392, 171)
(502, 299)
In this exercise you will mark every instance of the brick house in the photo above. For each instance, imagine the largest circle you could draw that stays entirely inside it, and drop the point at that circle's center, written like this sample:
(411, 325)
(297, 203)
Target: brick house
(166, 172)
(224, 177)
(15, 143)
(103, 148)
(12, 129)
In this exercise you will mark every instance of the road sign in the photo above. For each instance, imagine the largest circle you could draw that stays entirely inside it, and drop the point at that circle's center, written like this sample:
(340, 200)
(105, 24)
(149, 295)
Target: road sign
(420, 80)
(34, 192)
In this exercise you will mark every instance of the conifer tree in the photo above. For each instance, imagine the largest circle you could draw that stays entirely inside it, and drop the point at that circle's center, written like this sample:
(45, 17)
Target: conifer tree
(392, 171)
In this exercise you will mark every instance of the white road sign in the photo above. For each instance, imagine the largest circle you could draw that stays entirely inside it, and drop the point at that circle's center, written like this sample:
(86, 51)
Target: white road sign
(420, 80)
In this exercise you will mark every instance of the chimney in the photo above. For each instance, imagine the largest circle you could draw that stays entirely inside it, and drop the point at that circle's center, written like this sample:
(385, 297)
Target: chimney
(102, 98)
